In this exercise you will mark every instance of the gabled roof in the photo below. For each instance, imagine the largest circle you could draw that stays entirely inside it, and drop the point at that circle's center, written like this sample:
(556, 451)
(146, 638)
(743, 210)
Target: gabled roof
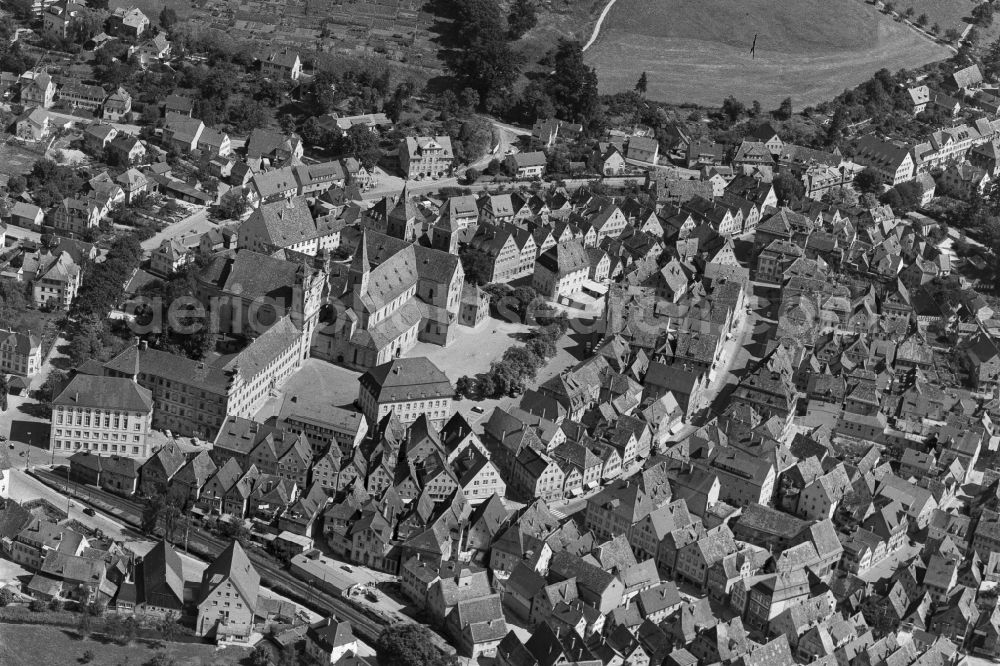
(232, 565)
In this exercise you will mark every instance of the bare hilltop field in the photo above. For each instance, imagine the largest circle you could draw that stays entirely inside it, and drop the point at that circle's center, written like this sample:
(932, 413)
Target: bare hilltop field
(699, 50)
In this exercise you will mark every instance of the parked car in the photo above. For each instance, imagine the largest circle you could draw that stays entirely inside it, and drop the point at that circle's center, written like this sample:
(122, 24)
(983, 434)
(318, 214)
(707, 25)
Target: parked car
(89, 511)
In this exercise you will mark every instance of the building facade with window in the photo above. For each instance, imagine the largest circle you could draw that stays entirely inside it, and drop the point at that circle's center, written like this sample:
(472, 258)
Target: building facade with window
(20, 353)
(102, 415)
(410, 387)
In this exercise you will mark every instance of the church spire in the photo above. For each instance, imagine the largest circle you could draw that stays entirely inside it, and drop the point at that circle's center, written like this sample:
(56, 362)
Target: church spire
(361, 266)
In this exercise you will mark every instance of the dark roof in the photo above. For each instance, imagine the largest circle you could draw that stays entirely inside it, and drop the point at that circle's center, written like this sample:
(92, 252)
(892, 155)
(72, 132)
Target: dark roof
(162, 577)
(115, 393)
(407, 379)
(232, 564)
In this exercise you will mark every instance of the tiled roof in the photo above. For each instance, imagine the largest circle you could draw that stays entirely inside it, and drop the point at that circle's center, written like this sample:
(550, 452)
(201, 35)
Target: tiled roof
(114, 393)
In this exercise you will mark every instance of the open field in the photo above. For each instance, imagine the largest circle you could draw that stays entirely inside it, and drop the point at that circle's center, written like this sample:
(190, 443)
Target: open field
(946, 13)
(31, 645)
(699, 51)
(16, 160)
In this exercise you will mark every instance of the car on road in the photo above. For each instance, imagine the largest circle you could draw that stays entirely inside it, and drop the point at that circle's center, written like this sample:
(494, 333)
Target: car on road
(346, 568)
(477, 409)
(89, 511)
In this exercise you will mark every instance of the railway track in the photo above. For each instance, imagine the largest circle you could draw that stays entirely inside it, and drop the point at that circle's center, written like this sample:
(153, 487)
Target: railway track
(366, 627)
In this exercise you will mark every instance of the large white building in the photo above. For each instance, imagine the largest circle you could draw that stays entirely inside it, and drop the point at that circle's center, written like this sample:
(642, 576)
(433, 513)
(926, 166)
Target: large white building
(102, 415)
(409, 387)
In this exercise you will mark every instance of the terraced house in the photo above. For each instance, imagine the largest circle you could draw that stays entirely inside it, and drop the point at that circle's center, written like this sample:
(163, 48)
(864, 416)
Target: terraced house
(82, 96)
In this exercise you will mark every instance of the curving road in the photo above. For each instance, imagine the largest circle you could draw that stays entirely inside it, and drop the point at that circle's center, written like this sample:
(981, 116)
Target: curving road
(600, 21)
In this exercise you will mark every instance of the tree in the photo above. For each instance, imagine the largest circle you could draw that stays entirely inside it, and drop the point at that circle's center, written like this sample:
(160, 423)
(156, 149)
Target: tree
(935, 29)
(573, 85)
(522, 362)
(84, 624)
(465, 386)
(121, 630)
(867, 181)
(476, 264)
(468, 100)
(542, 348)
(4, 389)
(168, 628)
(982, 14)
(922, 20)
(909, 12)
(36, 606)
(22, 9)
(17, 184)
(362, 144)
(841, 196)
(889, 7)
(86, 25)
(55, 604)
(261, 655)
(784, 111)
(838, 122)
(521, 19)
(642, 84)
(6, 597)
(473, 140)
(951, 35)
(524, 296)
(53, 385)
(288, 656)
(787, 187)
(168, 18)
(732, 108)
(287, 123)
(161, 509)
(905, 196)
(161, 659)
(87, 657)
(233, 205)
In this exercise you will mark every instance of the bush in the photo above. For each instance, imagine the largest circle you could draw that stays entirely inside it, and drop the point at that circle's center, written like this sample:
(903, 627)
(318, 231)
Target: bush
(56, 604)
(19, 614)
(88, 656)
(36, 606)
(6, 597)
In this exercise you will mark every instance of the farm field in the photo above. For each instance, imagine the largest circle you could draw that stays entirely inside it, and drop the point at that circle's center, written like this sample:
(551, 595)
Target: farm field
(699, 50)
